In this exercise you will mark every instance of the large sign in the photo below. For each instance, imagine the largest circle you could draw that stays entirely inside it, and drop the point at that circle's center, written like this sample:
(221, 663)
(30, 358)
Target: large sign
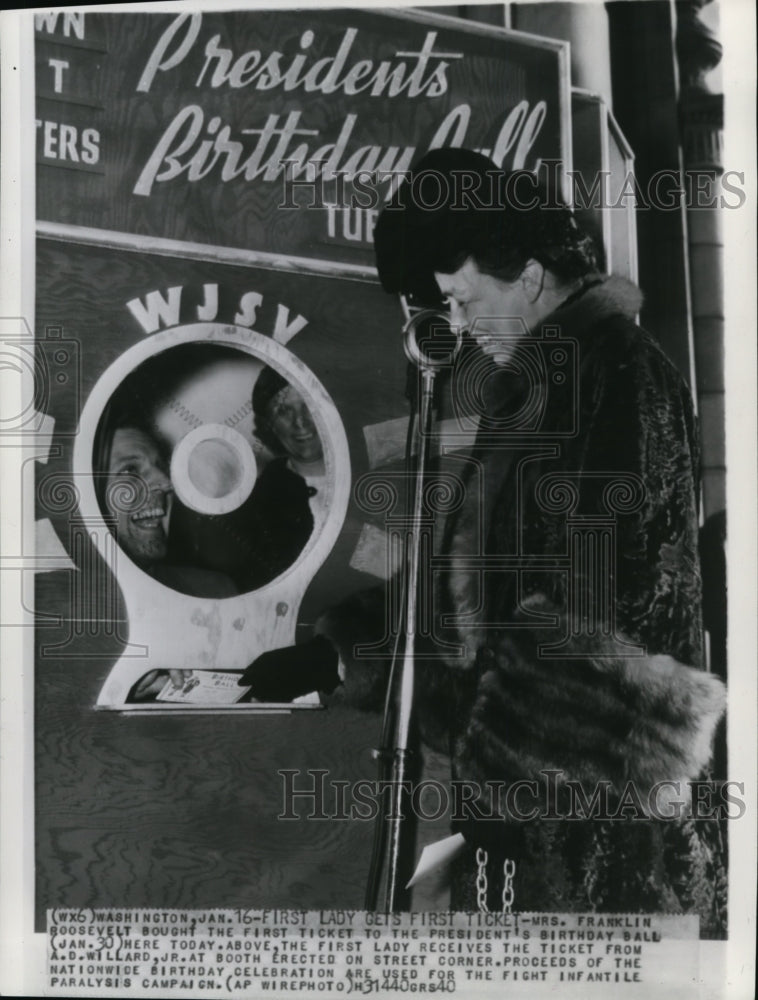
(216, 127)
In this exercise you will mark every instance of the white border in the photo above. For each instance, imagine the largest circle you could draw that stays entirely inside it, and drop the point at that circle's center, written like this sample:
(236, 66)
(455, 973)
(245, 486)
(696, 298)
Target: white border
(21, 953)
(20, 948)
(739, 72)
(187, 250)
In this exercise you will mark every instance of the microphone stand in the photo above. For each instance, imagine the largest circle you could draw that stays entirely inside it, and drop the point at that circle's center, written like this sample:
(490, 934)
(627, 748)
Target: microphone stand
(401, 820)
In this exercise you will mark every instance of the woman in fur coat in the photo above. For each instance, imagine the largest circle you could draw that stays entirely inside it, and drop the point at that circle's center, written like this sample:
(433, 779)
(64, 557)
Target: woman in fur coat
(568, 579)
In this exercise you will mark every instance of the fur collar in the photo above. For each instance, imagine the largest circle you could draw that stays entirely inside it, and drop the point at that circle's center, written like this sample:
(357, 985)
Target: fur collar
(602, 296)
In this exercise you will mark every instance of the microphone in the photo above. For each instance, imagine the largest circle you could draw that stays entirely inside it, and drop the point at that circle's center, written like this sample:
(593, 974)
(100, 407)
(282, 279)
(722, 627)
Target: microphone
(429, 340)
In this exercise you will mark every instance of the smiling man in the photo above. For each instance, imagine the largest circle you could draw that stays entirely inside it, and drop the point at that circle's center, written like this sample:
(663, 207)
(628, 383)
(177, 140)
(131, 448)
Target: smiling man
(139, 496)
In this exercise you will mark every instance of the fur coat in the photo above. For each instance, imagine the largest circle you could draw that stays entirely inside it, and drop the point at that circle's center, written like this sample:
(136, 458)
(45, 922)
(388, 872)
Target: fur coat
(567, 645)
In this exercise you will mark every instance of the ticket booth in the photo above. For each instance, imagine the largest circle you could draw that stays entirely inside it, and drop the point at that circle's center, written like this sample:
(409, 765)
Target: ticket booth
(207, 189)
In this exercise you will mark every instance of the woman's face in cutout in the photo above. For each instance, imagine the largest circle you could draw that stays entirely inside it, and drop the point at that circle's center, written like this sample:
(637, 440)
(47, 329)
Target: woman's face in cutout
(290, 420)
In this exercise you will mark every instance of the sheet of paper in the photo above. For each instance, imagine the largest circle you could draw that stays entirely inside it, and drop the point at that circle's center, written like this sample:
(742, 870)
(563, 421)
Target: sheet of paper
(435, 856)
(204, 687)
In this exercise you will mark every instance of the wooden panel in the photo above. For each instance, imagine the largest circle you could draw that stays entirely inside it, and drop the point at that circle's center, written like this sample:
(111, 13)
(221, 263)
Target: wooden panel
(182, 812)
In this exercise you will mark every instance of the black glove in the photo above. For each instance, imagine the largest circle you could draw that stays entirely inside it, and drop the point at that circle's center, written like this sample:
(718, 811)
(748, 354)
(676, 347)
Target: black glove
(284, 674)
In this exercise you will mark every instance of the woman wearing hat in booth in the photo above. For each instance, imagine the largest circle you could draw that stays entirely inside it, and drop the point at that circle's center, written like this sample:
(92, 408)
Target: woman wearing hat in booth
(568, 670)
(287, 502)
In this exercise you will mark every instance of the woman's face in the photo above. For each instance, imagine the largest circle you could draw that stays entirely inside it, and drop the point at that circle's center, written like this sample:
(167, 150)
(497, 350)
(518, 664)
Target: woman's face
(290, 419)
(496, 313)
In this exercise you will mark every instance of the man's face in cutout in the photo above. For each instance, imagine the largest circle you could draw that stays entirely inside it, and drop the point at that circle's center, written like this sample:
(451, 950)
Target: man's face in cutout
(139, 495)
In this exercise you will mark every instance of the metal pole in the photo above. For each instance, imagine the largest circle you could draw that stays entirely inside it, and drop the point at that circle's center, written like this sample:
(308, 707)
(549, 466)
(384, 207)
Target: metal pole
(401, 819)
(430, 356)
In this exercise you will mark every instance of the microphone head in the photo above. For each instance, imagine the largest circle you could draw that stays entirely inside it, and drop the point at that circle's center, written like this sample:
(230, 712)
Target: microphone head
(430, 341)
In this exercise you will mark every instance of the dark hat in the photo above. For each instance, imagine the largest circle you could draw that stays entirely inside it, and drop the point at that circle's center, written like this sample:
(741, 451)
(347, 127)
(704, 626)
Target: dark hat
(457, 204)
(267, 385)
(445, 190)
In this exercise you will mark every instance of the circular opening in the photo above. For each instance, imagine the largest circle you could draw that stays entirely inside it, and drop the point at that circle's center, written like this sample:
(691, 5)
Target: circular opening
(226, 449)
(214, 468)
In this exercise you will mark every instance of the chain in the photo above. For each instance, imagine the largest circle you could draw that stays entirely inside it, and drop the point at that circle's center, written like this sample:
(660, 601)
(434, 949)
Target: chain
(481, 880)
(509, 872)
